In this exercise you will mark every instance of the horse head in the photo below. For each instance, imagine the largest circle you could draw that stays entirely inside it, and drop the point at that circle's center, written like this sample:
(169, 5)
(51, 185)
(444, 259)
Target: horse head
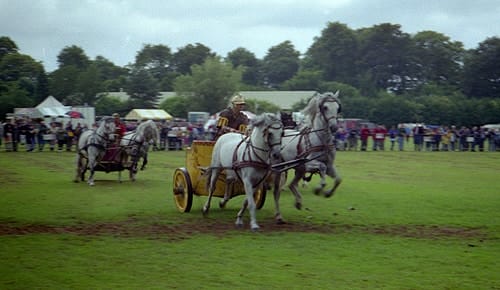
(271, 129)
(323, 111)
(107, 129)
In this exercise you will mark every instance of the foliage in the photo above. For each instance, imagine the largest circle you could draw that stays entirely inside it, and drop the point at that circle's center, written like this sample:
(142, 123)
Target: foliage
(280, 64)
(73, 56)
(210, 85)
(241, 57)
(259, 106)
(142, 89)
(176, 106)
(482, 72)
(107, 105)
(189, 55)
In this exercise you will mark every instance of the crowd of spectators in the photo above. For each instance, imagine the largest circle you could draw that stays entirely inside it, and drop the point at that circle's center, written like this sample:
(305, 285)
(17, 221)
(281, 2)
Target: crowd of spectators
(425, 138)
(59, 136)
(35, 134)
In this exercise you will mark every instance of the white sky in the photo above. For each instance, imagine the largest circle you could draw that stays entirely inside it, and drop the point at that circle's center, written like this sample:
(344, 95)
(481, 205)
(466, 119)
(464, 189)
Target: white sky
(118, 29)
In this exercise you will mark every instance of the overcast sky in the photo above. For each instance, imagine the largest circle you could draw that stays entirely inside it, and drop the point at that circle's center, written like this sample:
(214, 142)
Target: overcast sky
(118, 29)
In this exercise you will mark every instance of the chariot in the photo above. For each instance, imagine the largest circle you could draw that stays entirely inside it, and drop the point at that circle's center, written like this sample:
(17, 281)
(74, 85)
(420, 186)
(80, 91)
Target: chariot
(192, 179)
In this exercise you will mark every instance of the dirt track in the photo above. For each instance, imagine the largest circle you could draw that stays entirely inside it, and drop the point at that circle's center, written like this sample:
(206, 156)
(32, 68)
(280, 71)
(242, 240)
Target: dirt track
(134, 228)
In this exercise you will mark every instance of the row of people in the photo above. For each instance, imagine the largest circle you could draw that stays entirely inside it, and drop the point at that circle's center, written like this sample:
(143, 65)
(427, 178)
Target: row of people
(36, 134)
(439, 138)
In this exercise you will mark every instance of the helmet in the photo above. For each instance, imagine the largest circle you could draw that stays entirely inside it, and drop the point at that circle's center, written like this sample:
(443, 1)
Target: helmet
(116, 115)
(238, 100)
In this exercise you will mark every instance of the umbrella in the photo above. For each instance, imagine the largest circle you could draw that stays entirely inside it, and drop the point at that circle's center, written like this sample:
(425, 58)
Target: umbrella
(74, 114)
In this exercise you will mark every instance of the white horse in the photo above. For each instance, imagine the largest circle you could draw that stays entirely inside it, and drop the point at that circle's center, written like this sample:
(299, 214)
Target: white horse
(91, 148)
(247, 158)
(136, 146)
(314, 143)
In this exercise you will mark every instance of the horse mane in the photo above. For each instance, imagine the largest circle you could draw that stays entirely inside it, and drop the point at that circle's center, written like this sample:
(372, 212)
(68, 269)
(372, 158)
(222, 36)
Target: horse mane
(147, 127)
(265, 118)
(312, 109)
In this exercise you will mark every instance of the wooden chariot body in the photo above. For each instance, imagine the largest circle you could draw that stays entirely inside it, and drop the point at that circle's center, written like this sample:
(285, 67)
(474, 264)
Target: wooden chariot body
(192, 179)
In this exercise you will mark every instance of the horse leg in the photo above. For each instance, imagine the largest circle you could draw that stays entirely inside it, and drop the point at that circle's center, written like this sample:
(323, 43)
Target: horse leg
(293, 186)
(78, 168)
(333, 173)
(144, 161)
(229, 189)
(276, 193)
(250, 191)
(321, 169)
(239, 216)
(213, 175)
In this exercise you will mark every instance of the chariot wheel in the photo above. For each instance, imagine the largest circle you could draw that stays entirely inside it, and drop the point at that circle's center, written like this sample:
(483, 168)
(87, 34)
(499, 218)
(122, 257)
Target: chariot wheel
(260, 197)
(182, 190)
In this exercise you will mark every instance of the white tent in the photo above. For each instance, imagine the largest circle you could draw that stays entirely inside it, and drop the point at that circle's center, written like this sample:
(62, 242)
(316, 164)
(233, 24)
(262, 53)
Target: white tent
(51, 107)
(148, 114)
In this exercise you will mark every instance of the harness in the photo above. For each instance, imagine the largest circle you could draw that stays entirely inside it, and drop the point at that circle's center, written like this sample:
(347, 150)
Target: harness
(251, 157)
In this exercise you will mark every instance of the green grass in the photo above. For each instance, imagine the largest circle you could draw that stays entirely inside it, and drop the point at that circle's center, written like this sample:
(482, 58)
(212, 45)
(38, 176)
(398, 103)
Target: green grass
(400, 220)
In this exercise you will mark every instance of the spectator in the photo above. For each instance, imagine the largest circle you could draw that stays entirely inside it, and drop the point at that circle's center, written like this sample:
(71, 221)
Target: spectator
(70, 134)
(401, 136)
(379, 134)
(393, 133)
(365, 134)
(340, 137)
(453, 138)
(10, 132)
(352, 139)
(42, 132)
(418, 137)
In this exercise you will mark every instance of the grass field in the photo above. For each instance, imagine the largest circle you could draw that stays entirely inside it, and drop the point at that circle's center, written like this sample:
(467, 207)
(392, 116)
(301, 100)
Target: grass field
(399, 220)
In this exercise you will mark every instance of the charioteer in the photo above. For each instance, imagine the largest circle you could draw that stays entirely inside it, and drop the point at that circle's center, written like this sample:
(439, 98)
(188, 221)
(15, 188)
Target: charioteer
(232, 119)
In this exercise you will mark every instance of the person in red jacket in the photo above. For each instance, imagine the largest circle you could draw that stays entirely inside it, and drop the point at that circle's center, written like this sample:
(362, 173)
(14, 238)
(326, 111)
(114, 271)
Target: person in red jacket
(364, 135)
(379, 134)
(121, 129)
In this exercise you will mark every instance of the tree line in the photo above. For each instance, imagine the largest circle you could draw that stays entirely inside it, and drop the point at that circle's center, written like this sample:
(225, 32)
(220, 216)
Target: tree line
(384, 75)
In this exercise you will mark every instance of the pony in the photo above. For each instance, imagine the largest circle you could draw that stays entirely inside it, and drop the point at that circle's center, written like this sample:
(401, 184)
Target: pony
(248, 159)
(314, 146)
(92, 147)
(135, 145)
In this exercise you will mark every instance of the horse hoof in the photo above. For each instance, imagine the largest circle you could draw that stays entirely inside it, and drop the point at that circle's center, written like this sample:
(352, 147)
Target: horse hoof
(317, 191)
(204, 211)
(222, 204)
(298, 206)
(328, 194)
(280, 221)
(255, 229)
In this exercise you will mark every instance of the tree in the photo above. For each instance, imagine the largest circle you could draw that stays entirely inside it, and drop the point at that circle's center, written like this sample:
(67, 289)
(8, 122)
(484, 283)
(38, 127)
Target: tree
(73, 56)
(189, 55)
(304, 80)
(210, 85)
(335, 53)
(7, 46)
(63, 81)
(383, 56)
(175, 106)
(281, 63)
(241, 57)
(156, 59)
(438, 58)
(21, 80)
(106, 106)
(482, 70)
(142, 89)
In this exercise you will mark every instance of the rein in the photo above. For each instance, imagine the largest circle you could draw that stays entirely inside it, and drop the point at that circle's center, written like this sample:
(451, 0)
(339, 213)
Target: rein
(251, 150)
